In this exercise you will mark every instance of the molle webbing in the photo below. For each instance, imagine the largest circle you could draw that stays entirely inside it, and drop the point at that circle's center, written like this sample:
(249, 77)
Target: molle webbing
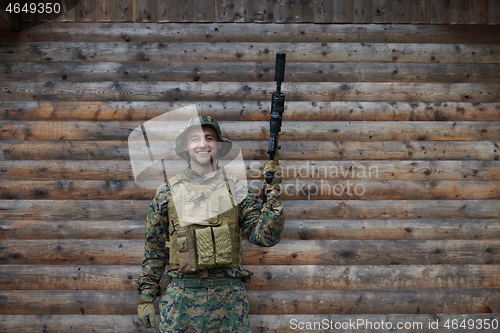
(218, 241)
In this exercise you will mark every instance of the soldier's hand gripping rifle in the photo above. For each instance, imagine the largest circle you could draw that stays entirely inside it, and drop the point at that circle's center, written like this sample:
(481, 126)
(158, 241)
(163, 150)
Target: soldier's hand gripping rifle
(277, 108)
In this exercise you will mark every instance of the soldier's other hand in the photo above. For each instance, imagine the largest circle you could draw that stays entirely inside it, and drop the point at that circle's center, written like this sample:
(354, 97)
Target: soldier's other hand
(146, 312)
(274, 167)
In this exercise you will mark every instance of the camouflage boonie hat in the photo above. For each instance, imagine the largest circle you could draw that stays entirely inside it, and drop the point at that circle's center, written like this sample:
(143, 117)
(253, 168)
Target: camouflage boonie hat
(180, 141)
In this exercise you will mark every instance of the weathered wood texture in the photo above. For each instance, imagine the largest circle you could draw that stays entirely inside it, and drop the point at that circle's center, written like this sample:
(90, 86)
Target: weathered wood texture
(308, 150)
(296, 209)
(260, 323)
(328, 170)
(265, 11)
(259, 131)
(322, 189)
(259, 33)
(390, 154)
(305, 252)
(423, 229)
(251, 111)
(276, 277)
(240, 72)
(249, 91)
(264, 302)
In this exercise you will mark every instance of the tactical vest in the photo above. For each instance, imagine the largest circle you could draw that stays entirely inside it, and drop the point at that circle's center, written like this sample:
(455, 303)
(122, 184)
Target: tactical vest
(203, 224)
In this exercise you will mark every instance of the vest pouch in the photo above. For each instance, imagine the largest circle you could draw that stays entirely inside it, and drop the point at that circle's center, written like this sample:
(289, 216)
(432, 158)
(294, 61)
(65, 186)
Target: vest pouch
(186, 250)
(222, 238)
(205, 248)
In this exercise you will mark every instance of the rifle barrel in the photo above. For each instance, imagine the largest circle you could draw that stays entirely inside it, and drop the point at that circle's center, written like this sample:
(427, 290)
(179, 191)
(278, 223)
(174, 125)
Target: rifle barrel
(279, 70)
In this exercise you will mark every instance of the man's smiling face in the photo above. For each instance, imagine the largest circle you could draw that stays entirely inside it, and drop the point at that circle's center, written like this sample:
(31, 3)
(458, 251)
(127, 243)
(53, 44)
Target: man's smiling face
(202, 146)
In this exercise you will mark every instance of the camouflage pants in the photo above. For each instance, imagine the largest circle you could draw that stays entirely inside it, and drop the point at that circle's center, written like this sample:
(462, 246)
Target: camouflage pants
(221, 309)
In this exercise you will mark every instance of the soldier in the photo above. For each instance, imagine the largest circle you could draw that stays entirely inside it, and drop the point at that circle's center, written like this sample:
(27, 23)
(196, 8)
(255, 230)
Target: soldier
(206, 293)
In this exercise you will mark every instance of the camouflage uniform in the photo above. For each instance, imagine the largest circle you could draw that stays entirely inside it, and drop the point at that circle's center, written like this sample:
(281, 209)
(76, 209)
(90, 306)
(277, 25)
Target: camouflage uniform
(219, 309)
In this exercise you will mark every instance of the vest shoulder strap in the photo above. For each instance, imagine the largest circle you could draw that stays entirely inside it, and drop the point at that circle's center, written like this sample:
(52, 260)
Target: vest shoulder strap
(174, 180)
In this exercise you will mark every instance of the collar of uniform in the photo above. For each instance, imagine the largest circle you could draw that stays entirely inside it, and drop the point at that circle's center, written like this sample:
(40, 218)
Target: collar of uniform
(196, 178)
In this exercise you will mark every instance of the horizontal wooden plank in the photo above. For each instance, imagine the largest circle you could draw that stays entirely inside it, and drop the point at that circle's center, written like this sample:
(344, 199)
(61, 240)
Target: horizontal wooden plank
(68, 170)
(294, 229)
(294, 209)
(360, 323)
(425, 323)
(235, 32)
(383, 170)
(76, 150)
(68, 71)
(254, 150)
(263, 54)
(65, 302)
(259, 130)
(392, 277)
(74, 190)
(73, 229)
(250, 91)
(276, 277)
(74, 323)
(391, 209)
(390, 229)
(288, 252)
(374, 302)
(66, 252)
(90, 302)
(252, 111)
(368, 188)
(375, 252)
(69, 277)
(291, 169)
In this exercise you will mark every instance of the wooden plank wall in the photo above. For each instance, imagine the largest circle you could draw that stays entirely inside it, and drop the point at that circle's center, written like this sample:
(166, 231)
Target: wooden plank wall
(278, 11)
(390, 150)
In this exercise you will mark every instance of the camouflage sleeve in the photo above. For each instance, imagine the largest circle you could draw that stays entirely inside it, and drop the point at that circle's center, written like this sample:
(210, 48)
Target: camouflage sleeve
(156, 254)
(263, 222)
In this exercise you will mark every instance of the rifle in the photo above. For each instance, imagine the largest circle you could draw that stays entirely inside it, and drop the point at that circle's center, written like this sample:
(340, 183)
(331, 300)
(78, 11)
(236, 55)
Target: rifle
(277, 108)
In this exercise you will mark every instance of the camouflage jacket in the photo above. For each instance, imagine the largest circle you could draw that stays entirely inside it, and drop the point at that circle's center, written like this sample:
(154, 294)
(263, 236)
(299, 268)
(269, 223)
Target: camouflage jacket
(262, 224)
